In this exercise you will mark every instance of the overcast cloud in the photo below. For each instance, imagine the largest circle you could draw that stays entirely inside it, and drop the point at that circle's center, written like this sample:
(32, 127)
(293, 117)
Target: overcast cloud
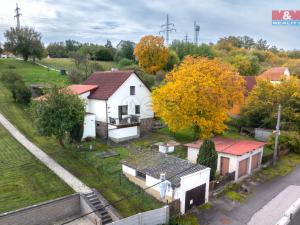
(99, 20)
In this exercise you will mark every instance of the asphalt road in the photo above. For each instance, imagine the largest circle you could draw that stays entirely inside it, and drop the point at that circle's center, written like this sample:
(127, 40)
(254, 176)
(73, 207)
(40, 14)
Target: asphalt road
(240, 214)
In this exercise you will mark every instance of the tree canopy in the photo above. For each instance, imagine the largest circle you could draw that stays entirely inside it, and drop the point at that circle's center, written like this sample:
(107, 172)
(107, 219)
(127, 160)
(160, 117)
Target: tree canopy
(151, 53)
(58, 113)
(24, 41)
(198, 94)
(262, 104)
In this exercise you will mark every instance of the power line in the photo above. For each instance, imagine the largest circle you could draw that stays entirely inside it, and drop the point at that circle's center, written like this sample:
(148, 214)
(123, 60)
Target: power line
(18, 14)
(135, 193)
(167, 28)
(186, 38)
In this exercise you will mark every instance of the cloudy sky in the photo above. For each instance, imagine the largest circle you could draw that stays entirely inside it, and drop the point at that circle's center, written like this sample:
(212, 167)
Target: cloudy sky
(99, 20)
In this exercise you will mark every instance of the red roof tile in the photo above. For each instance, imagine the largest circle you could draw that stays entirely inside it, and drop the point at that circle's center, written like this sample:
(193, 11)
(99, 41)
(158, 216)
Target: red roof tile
(250, 82)
(81, 88)
(107, 82)
(273, 74)
(231, 146)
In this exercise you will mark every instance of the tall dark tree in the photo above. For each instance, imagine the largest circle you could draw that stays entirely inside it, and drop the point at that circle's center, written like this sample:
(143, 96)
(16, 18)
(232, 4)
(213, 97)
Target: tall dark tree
(25, 42)
(72, 45)
(126, 51)
(208, 156)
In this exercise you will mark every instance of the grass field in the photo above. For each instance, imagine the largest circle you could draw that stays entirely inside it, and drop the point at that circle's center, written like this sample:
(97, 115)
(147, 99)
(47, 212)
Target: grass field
(31, 73)
(24, 180)
(102, 174)
(66, 63)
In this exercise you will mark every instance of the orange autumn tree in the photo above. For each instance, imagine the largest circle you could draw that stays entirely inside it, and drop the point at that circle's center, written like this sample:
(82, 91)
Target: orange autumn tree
(198, 94)
(151, 53)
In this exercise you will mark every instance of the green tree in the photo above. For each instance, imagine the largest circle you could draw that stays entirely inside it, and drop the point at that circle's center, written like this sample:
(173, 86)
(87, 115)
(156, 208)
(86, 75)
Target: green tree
(57, 50)
(25, 42)
(261, 44)
(287, 141)
(246, 65)
(126, 51)
(58, 113)
(208, 156)
(72, 46)
(104, 54)
(172, 60)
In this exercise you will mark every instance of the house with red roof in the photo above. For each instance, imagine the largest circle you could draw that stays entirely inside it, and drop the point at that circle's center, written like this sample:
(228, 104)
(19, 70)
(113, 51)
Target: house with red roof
(275, 74)
(238, 156)
(118, 105)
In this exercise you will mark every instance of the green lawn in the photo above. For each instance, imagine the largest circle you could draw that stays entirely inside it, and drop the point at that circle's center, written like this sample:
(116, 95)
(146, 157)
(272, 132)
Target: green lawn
(66, 63)
(102, 174)
(24, 180)
(31, 73)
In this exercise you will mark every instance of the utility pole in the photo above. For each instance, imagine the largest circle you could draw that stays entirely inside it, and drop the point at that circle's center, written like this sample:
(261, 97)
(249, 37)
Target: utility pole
(167, 28)
(186, 38)
(277, 133)
(18, 14)
(196, 32)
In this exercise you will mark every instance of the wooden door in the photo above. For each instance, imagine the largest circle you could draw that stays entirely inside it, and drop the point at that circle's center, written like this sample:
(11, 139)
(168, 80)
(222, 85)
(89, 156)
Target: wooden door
(255, 161)
(195, 197)
(224, 166)
(243, 167)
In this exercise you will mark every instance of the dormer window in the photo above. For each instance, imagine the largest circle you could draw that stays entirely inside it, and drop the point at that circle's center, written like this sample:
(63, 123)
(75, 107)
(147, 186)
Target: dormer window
(132, 90)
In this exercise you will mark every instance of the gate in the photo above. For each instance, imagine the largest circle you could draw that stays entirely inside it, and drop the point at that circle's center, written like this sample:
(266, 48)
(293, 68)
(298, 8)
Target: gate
(195, 197)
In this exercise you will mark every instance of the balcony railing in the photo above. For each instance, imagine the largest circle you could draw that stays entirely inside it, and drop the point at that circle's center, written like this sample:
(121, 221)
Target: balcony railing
(125, 120)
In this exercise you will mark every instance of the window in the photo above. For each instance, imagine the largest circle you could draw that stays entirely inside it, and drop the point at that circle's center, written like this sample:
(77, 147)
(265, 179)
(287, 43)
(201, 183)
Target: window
(137, 109)
(132, 90)
(123, 110)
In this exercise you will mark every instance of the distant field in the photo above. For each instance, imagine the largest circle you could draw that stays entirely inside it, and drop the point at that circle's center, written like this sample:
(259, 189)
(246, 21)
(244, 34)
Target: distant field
(66, 63)
(32, 74)
(24, 180)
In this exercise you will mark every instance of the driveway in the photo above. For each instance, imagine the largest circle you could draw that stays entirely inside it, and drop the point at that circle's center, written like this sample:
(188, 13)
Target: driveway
(234, 213)
(61, 172)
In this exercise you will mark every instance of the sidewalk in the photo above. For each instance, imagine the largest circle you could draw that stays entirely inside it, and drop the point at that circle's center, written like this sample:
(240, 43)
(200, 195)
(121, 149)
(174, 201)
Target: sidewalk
(66, 176)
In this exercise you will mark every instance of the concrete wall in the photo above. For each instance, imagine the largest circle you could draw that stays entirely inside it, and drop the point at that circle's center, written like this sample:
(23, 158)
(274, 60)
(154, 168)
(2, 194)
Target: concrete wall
(153, 217)
(122, 96)
(44, 213)
(191, 181)
(262, 134)
(123, 134)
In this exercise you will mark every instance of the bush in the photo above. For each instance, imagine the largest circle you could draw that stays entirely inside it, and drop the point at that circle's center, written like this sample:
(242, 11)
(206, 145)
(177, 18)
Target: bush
(104, 54)
(287, 140)
(22, 94)
(75, 76)
(172, 60)
(96, 67)
(14, 82)
(124, 62)
(148, 79)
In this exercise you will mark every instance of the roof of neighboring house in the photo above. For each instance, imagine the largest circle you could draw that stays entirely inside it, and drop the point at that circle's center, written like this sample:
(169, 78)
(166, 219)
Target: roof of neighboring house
(81, 88)
(107, 82)
(231, 146)
(250, 82)
(155, 163)
(273, 74)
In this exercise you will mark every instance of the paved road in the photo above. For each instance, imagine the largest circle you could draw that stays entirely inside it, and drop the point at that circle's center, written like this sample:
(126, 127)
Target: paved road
(240, 214)
(272, 212)
(66, 176)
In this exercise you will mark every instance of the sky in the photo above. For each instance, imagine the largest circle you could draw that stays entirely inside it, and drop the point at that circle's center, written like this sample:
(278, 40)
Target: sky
(98, 20)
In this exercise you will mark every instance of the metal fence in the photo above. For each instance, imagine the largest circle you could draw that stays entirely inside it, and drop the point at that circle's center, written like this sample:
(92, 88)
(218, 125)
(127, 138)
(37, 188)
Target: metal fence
(215, 184)
(153, 217)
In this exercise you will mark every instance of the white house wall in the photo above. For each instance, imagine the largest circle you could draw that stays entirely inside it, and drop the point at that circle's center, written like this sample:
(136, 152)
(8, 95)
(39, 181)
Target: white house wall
(98, 107)
(129, 170)
(191, 181)
(150, 181)
(192, 154)
(122, 96)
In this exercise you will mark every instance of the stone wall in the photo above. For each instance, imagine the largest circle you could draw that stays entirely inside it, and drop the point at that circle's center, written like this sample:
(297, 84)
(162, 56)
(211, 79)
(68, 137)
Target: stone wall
(146, 125)
(101, 129)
